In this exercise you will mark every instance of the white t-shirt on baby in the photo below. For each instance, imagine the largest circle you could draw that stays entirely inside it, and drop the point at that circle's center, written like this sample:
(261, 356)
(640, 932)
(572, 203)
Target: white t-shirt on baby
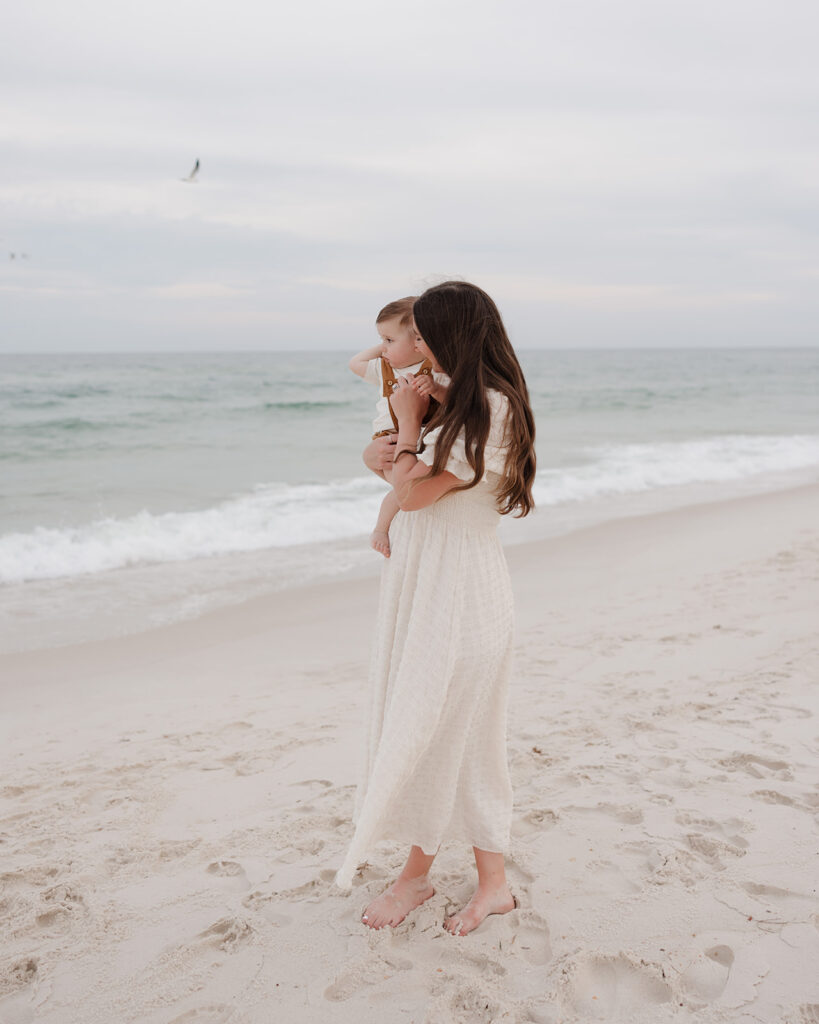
(383, 420)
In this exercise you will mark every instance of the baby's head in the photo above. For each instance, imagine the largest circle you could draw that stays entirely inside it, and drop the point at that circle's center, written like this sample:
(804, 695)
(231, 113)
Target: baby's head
(397, 330)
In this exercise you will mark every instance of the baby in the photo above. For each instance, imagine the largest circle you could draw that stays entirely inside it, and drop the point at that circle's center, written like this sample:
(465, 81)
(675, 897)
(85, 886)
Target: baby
(379, 365)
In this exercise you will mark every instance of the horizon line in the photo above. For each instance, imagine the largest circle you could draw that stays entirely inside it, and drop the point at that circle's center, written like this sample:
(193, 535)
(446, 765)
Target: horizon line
(324, 351)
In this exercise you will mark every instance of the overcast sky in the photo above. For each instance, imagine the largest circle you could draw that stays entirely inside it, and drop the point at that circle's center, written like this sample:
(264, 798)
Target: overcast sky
(613, 172)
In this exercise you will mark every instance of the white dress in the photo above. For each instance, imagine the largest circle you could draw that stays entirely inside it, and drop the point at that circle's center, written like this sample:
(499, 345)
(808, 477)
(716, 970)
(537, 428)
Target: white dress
(436, 765)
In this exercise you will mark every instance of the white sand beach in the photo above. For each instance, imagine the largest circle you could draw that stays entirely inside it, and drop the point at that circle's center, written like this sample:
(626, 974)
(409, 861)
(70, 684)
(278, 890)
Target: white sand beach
(174, 804)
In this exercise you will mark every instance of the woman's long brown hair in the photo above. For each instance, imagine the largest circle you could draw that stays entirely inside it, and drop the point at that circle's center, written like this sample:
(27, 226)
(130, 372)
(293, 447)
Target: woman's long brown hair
(463, 329)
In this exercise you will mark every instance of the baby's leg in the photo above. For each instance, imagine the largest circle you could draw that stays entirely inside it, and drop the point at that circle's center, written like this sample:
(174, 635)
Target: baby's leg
(380, 537)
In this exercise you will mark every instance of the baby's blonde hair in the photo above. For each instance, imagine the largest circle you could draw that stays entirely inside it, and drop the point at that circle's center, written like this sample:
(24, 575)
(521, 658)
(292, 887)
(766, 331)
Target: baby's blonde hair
(401, 308)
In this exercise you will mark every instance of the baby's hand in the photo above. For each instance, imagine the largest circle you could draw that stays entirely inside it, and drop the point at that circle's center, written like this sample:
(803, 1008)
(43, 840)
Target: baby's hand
(423, 384)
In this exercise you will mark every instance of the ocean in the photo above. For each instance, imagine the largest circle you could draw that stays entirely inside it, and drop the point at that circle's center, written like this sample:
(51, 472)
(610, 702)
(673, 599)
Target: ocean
(143, 489)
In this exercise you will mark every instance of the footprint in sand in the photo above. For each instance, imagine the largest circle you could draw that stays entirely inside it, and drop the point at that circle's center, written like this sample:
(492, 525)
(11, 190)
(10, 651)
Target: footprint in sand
(311, 891)
(539, 1012)
(11, 792)
(662, 799)
(771, 796)
(755, 889)
(19, 982)
(627, 815)
(713, 850)
(756, 766)
(705, 979)
(783, 903)
(226, 868)
(226, 934)
(175, 849)
(795, 712)
(537, 820)
(679, 638)
(230, 874)
(19, 974)
(611, 987)
(466, 999)
(483, 964)
(728, 830)
(662, 863)
(270, 909)
(63, 906)
(214, 1014)
(248, 763)
(807, 1013)
(35, 877)
(369, 873)
(364, 973)
(57, 919)
(531, 937)
(608, 877)
(239, 726)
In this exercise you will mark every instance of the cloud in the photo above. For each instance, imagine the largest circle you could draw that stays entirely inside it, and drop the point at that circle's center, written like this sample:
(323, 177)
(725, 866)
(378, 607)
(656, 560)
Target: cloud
(199, 290)
(616, 296)
(640, 159)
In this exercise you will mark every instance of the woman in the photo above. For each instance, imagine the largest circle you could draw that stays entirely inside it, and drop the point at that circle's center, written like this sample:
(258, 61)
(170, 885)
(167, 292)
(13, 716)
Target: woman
(436, 764)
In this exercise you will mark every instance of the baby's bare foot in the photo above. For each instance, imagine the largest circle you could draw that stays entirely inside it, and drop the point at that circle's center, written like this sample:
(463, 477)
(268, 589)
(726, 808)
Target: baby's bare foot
(392, 906)
(380, 541)
(482, 904)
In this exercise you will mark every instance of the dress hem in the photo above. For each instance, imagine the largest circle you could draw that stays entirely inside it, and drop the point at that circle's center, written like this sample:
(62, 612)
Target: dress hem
(431, 849)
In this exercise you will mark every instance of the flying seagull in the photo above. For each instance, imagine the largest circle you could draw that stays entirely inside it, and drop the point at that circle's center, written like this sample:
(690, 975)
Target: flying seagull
(192, 176)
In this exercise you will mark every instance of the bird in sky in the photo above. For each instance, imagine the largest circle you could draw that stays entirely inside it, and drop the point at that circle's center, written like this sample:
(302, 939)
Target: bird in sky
(192, 176)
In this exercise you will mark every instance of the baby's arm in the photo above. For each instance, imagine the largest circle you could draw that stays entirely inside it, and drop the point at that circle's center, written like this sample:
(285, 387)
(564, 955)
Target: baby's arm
(358, 364)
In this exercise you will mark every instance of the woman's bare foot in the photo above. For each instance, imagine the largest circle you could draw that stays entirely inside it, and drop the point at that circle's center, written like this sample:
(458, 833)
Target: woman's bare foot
(380, 541)
(392, 906)
(483, 903)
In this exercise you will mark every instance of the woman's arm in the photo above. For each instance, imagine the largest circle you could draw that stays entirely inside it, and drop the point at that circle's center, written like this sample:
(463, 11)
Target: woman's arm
(411, 480)
(413, 485)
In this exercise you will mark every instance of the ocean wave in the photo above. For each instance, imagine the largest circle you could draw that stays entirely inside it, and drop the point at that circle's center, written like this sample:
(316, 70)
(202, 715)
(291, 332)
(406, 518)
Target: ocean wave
(282, 515)
(305, 405)
(15, 401)
(275, 515)
(632, 468)
(66, 423)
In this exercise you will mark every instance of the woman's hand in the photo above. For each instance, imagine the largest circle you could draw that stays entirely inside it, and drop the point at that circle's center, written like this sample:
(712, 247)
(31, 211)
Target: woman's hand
(379, 453)
(408, 403)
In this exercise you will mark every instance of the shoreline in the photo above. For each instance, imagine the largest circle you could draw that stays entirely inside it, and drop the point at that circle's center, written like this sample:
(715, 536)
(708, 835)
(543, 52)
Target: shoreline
(175, 802)
(363, 576)
(137, 599)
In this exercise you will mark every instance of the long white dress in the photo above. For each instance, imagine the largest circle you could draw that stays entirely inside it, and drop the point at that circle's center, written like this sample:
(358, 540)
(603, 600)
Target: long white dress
(436, 764)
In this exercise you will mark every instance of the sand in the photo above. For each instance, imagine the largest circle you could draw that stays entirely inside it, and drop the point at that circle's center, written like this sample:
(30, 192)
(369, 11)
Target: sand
(173, 805)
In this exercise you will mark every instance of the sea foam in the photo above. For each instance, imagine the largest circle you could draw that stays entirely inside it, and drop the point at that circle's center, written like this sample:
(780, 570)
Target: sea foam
(632, 468)
(274, 515)
(287, 515)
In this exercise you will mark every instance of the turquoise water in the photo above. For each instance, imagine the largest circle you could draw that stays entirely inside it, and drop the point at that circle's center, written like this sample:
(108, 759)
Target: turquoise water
(127, 463)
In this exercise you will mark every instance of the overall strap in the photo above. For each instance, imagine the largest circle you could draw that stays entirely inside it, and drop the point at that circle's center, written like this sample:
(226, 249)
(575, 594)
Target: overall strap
(389, 378)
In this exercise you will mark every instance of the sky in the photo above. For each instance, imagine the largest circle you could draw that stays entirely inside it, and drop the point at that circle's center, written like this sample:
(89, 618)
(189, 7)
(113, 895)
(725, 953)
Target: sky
(615, 174)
